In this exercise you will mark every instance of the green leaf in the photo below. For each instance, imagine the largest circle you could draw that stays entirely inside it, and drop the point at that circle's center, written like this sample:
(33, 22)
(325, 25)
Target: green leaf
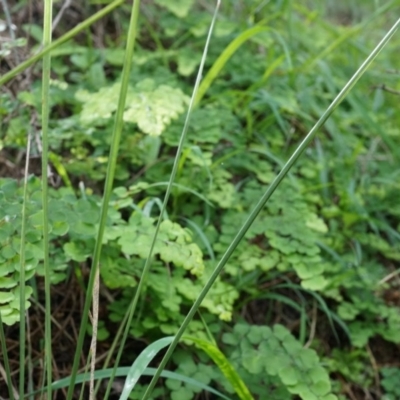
(315, 283)
(123, 372)
(180, 8)
(95, 109)
(6, 297)
(141, 363)
(8, 252)
(59, 228)
(76, 252)
(289, 376)
(153, 109)
(224, 365)
(279, 353)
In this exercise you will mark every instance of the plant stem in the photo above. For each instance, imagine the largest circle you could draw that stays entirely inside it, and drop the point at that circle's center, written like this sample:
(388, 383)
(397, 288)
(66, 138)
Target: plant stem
(271, 189)
(116, 138)
(47, 34)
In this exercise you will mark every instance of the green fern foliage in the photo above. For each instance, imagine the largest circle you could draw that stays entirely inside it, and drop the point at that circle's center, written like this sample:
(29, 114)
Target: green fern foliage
(260, 350)
(151, 108)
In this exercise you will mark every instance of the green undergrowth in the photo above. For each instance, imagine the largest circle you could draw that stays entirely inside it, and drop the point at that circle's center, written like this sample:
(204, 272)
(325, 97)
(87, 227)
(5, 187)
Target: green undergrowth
(322, 257)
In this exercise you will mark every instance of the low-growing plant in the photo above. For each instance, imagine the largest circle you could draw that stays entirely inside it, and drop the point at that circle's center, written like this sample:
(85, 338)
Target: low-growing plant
(313, 265)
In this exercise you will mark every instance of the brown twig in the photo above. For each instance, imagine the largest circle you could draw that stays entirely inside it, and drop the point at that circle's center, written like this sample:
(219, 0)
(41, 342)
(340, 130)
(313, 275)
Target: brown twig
(376, 371)
(387, 89)
(313, 325)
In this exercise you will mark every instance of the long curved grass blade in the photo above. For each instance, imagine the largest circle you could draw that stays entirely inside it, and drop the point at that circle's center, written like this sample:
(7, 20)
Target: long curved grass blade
(228, 52)
(194, 227)
(231, 49)
(224, 366)
(268, 193)
(324, 307)
(123, 371)
(146, 269)
(116, 138)
(69, 35)
(141, 363)
(300, 309)
(47, 37)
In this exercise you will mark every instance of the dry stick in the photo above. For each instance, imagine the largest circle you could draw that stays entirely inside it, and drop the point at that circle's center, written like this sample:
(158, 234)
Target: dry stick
(4, 375)
(11, 26)
(57, 19)
(389, 90)
(389, 277)
(313, 325)
(376, 371)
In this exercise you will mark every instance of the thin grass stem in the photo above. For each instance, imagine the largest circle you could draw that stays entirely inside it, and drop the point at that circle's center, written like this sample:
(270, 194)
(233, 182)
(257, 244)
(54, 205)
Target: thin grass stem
(116, 138)
(175, 167)
(6, 360)
(22, 321)
(271, 189)
(47, 36)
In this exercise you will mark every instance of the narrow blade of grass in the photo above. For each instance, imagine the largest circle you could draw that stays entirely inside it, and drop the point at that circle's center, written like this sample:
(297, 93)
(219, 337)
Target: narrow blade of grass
(225, 56)
(141, 363)
(47, 36)
(271, 189)
(115, 141)
(224, 366)
(146, 269)
(123, 371)
(22, 321)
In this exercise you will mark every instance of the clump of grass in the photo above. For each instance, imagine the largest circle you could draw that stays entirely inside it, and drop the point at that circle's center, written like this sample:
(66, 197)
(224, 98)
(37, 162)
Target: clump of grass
(199, 90)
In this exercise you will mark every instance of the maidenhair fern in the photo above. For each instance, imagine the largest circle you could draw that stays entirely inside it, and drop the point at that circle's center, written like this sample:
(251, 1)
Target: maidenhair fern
(284, 237)
(149, 106)
(176, 279)
(260, 350)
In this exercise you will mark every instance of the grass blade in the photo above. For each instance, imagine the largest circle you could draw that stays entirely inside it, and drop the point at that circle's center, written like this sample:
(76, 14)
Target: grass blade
(47, 36)
(271, 189)
(224, 57)
(22, 320)
(146, 269)
(141, 363)
(224, 365)
(116, 138)
(123, 371)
